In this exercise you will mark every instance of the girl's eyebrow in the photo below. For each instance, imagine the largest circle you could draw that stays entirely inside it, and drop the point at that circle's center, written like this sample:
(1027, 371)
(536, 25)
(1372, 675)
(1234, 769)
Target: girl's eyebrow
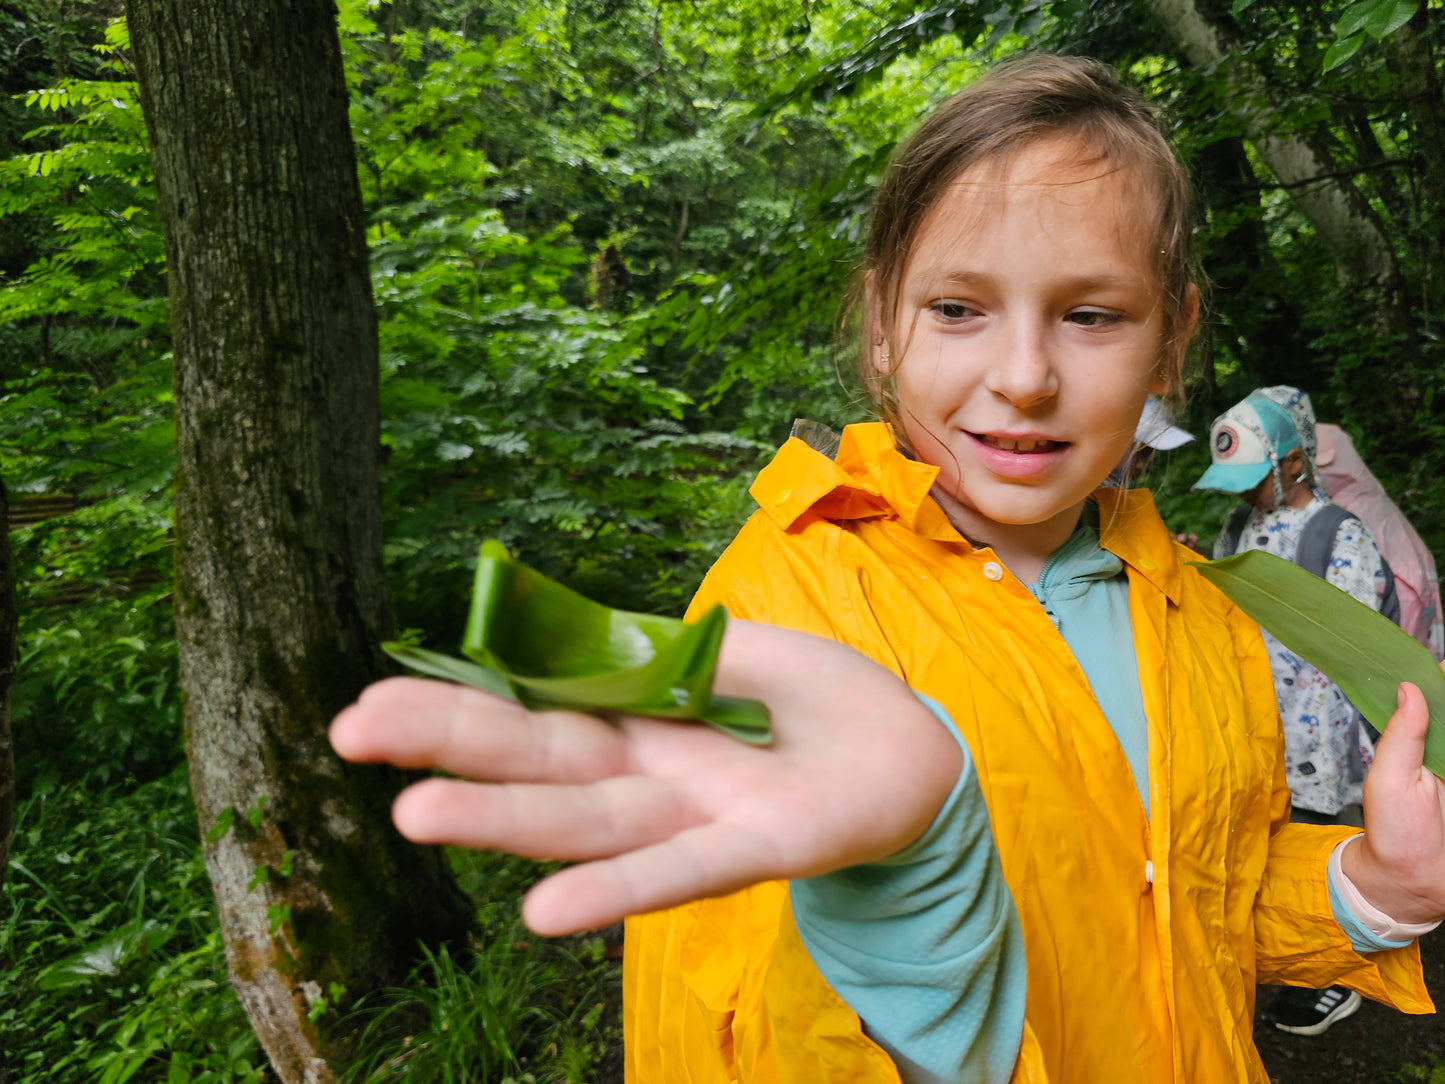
(960, 276)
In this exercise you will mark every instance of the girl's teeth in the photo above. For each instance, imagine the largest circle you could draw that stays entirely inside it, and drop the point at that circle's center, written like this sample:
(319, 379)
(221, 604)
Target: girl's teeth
(1019, 445)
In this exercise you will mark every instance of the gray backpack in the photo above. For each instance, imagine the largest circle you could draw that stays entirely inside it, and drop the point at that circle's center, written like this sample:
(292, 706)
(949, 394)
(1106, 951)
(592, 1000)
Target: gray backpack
(1316, 548)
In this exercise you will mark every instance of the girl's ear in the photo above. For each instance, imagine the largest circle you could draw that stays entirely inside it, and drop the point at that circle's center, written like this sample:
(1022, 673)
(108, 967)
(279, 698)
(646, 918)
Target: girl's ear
(1191, 314)
(1172, 370)
(876, 337)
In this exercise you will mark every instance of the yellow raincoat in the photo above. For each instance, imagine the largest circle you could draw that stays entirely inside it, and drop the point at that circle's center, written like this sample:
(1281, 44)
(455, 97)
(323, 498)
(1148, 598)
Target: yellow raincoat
(1144, 936)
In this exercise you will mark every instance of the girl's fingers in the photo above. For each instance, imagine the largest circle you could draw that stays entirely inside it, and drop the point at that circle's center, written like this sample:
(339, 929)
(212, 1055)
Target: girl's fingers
(415, 723)
(710, 860)
(543, 821)
(1401, 749)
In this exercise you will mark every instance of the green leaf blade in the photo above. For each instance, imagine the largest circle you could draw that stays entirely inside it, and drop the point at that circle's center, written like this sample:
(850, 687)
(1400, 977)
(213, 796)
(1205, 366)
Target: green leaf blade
(449, 669)
(1341, 51)
(532, 639)
(1389, 16)
(1362, 651)
(1353, 19)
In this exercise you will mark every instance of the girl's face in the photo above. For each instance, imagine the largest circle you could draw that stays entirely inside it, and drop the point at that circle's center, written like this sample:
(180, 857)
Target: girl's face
(1030, 327)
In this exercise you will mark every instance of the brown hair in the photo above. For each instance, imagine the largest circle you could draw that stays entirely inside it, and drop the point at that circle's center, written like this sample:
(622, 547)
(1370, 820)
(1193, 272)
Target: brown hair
(1017, 103)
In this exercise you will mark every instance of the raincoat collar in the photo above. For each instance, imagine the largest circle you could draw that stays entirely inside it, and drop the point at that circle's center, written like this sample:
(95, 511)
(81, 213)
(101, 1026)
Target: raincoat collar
(1131, 529)
(868, 479)
(871, 479)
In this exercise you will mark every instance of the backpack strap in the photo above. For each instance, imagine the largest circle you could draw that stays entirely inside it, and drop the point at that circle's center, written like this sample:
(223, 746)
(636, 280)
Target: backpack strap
(1316, 551)
(1234, 528)
(1317, 540)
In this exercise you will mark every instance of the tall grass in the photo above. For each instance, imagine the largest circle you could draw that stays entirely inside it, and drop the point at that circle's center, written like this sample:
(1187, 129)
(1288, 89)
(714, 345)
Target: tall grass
(511, 1007)
(111, 965)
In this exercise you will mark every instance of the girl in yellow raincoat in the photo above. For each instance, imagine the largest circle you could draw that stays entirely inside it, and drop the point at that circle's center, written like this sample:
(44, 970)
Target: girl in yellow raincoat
(1082, 875)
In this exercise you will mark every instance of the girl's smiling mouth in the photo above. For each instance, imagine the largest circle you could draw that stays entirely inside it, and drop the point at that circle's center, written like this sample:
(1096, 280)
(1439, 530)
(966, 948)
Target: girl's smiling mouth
(1018, 457)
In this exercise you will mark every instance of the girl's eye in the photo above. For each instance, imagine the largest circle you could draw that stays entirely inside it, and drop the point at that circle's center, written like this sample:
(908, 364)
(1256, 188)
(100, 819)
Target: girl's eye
(1093, 318)
(950, 309)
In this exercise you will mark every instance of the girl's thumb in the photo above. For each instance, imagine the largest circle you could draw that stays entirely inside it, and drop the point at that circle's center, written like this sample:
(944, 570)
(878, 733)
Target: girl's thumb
(1402, 746)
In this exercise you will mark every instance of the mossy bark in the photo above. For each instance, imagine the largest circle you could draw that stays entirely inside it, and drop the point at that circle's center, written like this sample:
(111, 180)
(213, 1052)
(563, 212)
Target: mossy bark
(280, 599)
(7, 675)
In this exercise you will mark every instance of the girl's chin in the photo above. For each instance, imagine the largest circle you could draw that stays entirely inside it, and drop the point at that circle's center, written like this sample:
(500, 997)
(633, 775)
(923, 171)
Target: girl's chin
(1041, 510)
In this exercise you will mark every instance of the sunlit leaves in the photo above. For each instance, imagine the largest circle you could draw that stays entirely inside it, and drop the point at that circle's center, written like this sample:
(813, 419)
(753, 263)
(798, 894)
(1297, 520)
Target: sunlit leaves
(1376, 19)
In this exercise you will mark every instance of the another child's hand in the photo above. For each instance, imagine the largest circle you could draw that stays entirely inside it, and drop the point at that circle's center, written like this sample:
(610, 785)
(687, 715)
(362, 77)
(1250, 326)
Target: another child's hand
(661, 813)
(1400, 864)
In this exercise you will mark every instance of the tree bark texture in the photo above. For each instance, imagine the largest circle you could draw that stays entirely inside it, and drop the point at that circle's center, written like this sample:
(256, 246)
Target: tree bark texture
(1339, 213)
(1242, 274)
(280, 599)
(7, 676)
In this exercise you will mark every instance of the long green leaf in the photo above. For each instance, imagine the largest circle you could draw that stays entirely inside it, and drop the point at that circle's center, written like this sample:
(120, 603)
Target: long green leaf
(1363, 652)
(533, 640)
(444, 666)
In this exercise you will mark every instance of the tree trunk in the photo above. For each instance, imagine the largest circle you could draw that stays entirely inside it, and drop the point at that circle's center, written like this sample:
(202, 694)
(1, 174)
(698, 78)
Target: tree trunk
(1243, 274)
(1341, 216)
(7, 675)
(280, 600)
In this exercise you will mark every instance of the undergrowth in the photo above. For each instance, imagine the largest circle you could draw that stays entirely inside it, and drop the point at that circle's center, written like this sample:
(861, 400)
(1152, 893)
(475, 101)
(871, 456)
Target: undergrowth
(511, 1006)
(111, 964)
(112, 967)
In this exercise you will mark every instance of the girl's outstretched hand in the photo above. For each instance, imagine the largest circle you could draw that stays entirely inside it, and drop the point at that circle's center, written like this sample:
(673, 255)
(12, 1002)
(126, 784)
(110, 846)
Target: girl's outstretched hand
(660, 813)
(1399, 866)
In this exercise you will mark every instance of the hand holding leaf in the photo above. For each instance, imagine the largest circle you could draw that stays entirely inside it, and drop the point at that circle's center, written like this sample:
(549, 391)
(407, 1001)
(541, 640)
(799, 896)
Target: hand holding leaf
(1400, 867)
(660, 813)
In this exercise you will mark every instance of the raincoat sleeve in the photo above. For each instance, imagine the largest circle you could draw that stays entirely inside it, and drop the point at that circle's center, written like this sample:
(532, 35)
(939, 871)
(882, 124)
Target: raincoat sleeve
(1297, 940)
(724, 990)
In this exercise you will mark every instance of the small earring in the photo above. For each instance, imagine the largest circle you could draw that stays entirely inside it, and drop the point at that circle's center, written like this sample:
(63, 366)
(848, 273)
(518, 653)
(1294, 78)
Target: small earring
(883, 358)
(1299, 478)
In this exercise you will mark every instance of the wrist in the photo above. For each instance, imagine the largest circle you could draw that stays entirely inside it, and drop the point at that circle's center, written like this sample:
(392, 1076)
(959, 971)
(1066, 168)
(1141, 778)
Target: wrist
(1383, 888)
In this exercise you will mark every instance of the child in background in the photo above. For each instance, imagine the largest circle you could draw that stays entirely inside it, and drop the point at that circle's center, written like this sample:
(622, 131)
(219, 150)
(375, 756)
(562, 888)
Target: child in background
(1263, 449)
(1082, 874)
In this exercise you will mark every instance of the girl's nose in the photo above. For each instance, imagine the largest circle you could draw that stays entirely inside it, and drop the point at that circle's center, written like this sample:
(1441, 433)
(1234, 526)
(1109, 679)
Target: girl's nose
(1023, 373)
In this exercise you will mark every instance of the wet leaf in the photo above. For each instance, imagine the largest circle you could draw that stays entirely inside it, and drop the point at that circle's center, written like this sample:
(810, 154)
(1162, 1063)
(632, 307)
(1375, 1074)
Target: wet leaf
(531, 639)
(1363, 652)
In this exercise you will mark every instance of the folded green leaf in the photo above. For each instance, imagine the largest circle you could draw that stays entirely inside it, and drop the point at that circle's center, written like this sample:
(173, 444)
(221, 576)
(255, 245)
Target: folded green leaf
(444, 666)
(535, 641)
(1363, 652)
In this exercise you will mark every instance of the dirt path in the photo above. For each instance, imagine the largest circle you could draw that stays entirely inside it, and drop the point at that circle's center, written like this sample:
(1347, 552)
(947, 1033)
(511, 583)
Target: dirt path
(1375, 1046)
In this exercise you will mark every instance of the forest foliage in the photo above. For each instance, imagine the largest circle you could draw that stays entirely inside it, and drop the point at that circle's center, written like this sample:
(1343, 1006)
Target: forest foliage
(609, 240)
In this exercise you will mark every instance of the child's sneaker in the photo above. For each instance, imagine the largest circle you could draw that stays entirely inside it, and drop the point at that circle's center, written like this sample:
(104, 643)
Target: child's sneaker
(1311, 1012)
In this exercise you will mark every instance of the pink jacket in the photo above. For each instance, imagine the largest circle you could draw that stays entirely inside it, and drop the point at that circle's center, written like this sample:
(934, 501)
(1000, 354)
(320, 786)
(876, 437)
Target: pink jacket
(1351, 485)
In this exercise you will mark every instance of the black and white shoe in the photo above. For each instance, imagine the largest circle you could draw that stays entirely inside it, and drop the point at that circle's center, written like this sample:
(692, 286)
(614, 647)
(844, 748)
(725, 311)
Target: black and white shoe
(1311, 1012)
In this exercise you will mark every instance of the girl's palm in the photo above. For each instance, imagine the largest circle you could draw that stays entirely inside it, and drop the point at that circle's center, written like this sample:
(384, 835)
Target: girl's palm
(660, 813)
